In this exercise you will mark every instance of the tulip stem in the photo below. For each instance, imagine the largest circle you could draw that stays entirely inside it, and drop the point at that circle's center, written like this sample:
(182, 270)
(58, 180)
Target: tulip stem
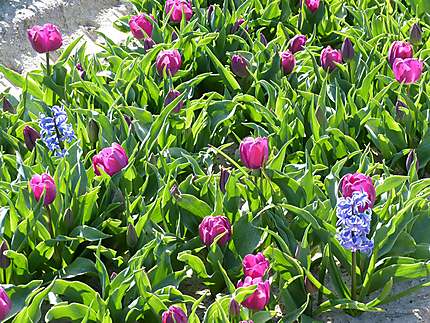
(50, 226)
(48, 67)
(353, 276)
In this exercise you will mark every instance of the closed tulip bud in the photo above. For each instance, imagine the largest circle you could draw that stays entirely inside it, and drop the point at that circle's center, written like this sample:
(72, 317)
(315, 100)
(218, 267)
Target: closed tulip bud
(239, 66)
(407, 70)
(93, 131)
(210, 13)
(234, 309)
(128, 119)
(8, 107)
(30, 137)
(213, 226)
(140, 26)
(347, 50)
(168, 60)
(258, 300)
(110, 159)
(46, 38)
(43, 183)
(357, 182)
(225, 174)
(416, 34)
(68, 219)
(174, 314)
(5, 304)
(288, 62)
(312, 5)
(410, 159)
(329, 58)
(113, 275)
(254, 152)
(399, 49)
(174, 36)
(400, 114)
(170, 97)
(237, 25)
(263, 39)
(131, 236)
(148, 43)
(176, 7)
(4, 261)
(297, 43)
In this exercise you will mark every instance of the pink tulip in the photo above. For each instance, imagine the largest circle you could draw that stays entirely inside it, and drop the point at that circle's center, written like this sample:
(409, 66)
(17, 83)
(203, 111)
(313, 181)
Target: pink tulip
(169, 60)
(260, 298)
(255, 265)
(254, 152)
(312, 5)
(110, 159)
(359, 183)
(408, 70)
(140, 25)
(41, 183)
(287, 61)
(174, 314)
(239, 66)
(46, 38)
(5, 304)
(399, 49)
(213, 226)
(297, 43)
(329, 57)
(176, 7)
(170, 97)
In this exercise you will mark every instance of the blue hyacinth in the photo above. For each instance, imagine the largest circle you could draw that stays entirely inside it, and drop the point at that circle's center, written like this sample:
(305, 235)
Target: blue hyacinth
(55, 130)
(353, 225)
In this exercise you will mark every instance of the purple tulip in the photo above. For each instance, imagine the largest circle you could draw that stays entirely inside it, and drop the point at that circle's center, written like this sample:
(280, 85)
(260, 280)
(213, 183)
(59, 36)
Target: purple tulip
(399, 49)
(359, 183)
(170, 97)
(297, 43)
(287, 61)
(148, 43)
(312, 5)
(225, 174)
(347, 50)
(239, 66)
(237, 25)
(254, 152)
(410, 159)
(30, 137)
(213, 226)
(169, 60)
(255, 265)
(175, 9)
(234, 309)
(408, 70)
(5, 304)
(41, 183)
(46, 38)
(258, 300)
(7, 106)
(174, 314)
(263, 39)
(4, 260)
(416, 34)
(110, 159)
(329, 58)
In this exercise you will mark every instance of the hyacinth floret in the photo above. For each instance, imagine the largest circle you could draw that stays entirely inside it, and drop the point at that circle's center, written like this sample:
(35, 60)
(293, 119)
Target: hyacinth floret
(55, 130)
(353, 224)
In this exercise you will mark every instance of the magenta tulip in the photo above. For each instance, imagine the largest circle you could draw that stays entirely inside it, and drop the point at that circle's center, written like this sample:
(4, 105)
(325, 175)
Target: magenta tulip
(399, 49)
(176, 7)
(359, 183)
(312, 5)
(408, 70)
(213, 226)
(239, 66)
(260, 298)
(254, 152)
(169, 60)
(329, 58)
(297, 43)
(5, 304)
(41, 183)
(148, 43)
(172, 95)
(140, 26)
(46, 38)
(287, 61)
(110, 159)
(174, 314)
(255, 265)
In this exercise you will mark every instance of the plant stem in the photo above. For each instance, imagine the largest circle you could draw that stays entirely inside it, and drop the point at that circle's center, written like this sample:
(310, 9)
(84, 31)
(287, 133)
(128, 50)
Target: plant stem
(50, 227)
(353, 276)
(48, 67)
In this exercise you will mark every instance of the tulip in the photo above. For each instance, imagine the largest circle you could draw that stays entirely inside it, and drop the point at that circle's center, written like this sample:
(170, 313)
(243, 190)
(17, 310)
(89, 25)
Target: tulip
(408, 70)
(347, 50)
(81, 70)
(113, 275)
(416, 34)
(225, 174)
(30, 137)
(239, 66)
(399, 49)
(46, 38)
(4, 260)
(210, 13)
(359, 183)
(263, 39)
(41, 183)
(148, 43)
(234, 309)
(237, 25)
(254, 152)
(297, 43)
(410, 159)
(111, 160)
(255, 265)
(174, 191)
(174, 314)
(312, 5)
(260, 298)
(7, 106)
(140, 26)
(287, 61)
(5, 304)
(131, 237)
(329, 58)
(399, 112)
(169, 60)
(176, 7)
(213, 226)
(174, 36)
(170, 97)
(128, 119)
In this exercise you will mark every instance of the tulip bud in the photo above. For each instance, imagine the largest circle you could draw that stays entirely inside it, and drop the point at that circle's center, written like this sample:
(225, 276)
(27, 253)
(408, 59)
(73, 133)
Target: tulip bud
(239, 66)
(312, 5)
(113, 275)
(310, 287)
(263, 39)
(174, 36)
(347, 50)
(93, 131)
(140, 26)
(297, 43)
(399, 113)
(225, 174)
(237, 25)
(170, 97)
(131, 236)
(168, 60)
(416, 34)
(4, 261)
(288, 62)
(210, 13)
(174, 314)
(128, 119)
(8, 107)
(148, 43)
(30, 137)
(174, 191)
(234, 309)
(68, 219)
(410, 159)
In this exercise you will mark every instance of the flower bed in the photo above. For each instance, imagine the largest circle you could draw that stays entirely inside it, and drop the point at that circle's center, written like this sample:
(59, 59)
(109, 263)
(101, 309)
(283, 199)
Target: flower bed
(229, 162)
